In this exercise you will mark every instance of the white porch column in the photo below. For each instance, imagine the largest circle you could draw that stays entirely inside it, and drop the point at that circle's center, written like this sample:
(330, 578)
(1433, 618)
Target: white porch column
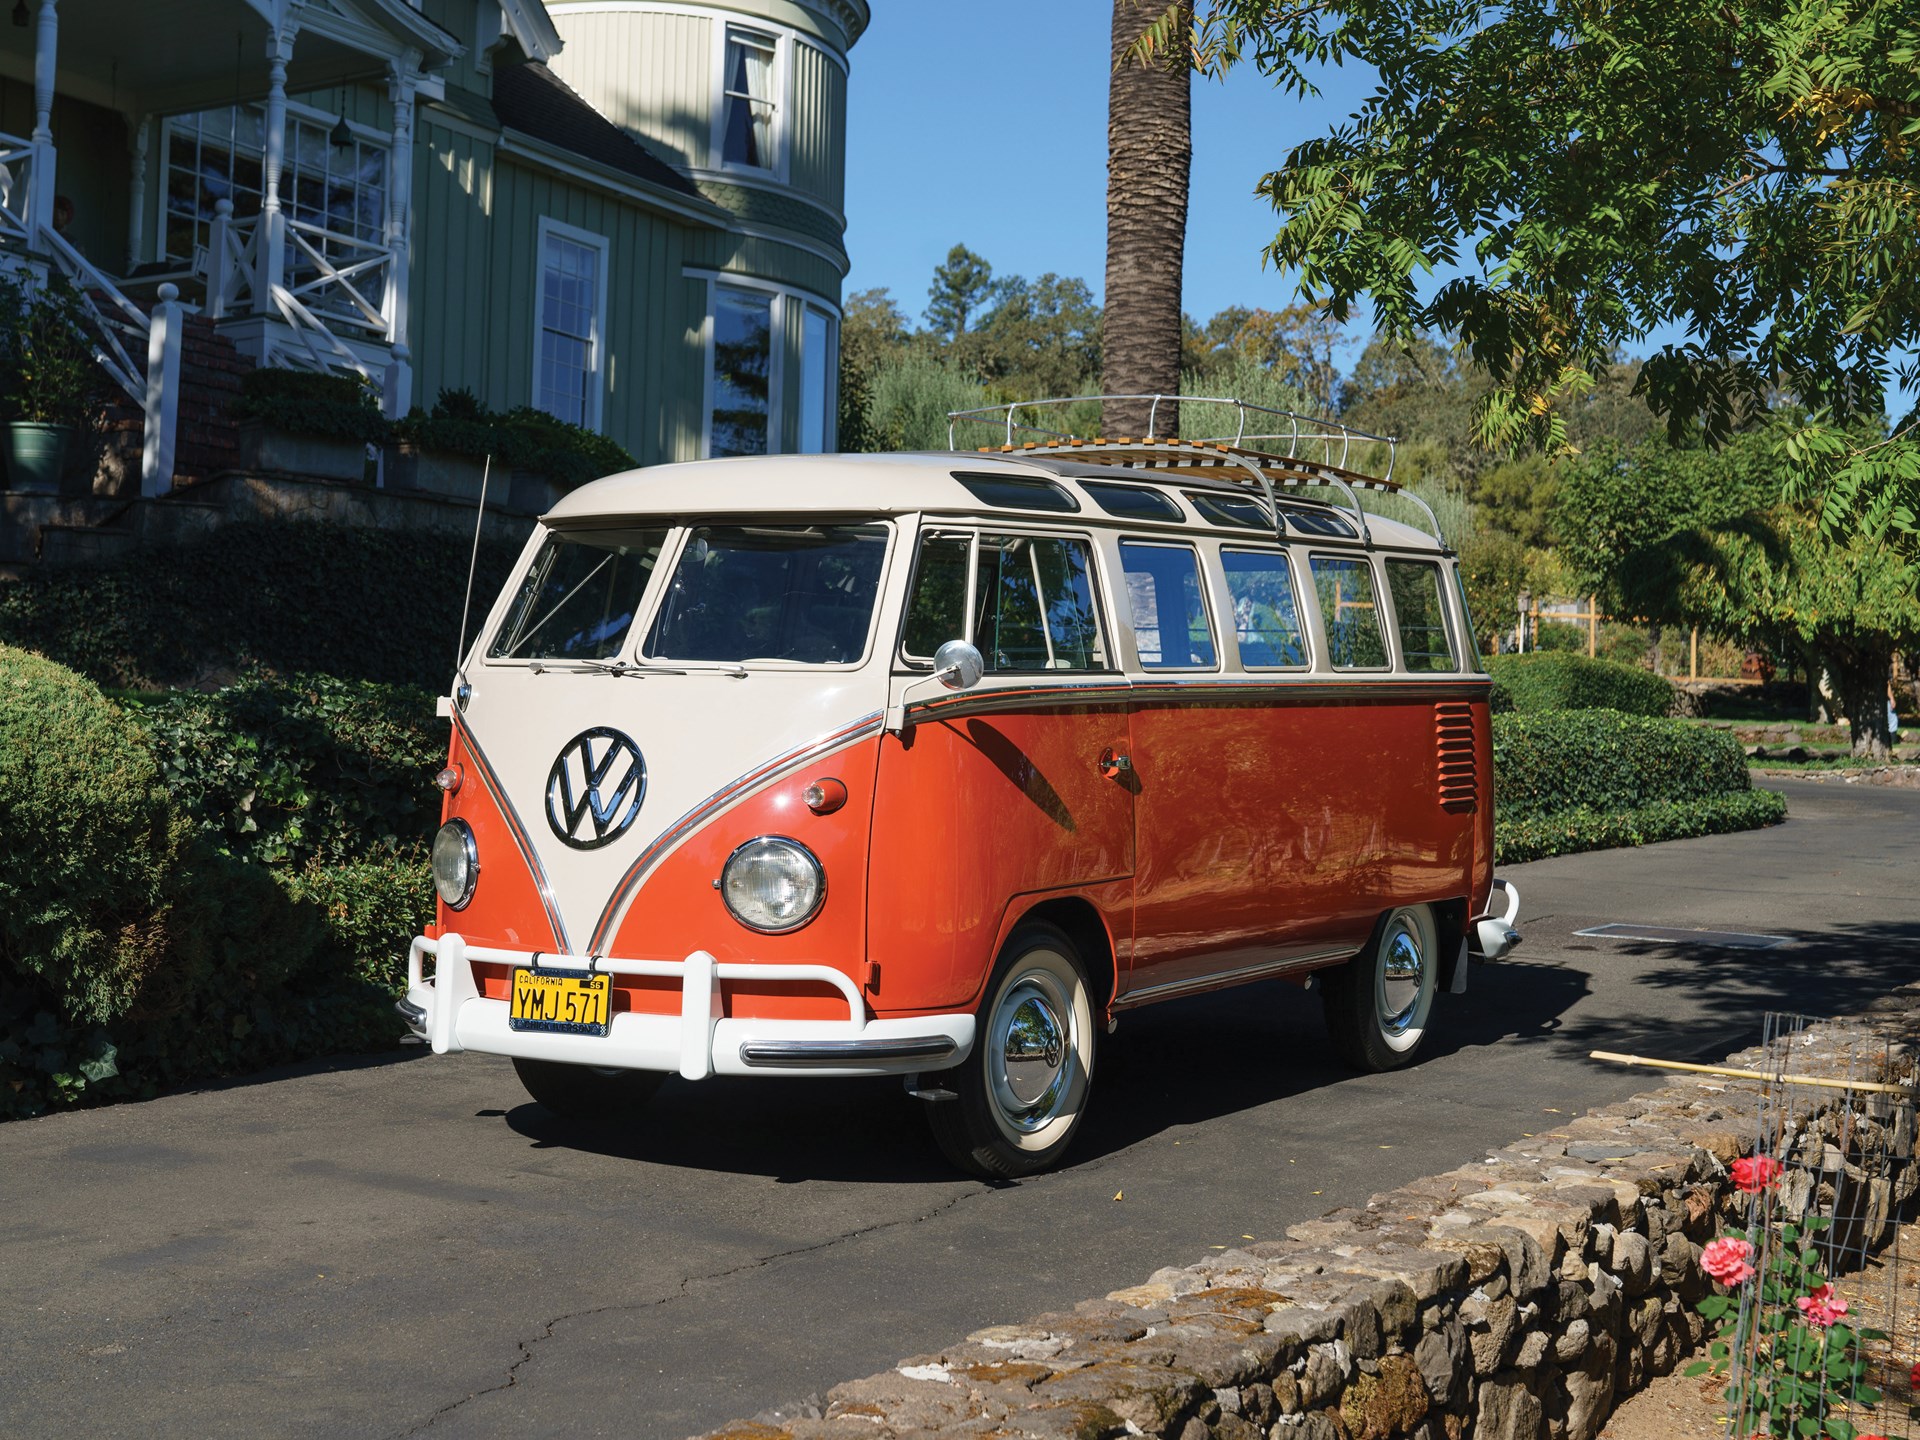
(270, 256)
(403, 79)
(46, 45)
(137, 217)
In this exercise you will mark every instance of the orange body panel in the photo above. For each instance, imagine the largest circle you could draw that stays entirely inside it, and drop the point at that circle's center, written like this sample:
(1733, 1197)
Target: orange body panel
(974, 812)
(1271, 829)
(1249, 831)
(678, 910)
(507, 908)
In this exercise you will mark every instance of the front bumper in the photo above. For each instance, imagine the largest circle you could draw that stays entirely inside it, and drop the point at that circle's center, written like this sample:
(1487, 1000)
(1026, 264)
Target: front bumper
(449, 1012)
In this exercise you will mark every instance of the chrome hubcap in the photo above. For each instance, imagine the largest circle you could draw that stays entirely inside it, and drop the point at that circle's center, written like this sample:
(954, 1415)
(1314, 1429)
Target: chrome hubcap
(1029, 1038)
(1401, 973)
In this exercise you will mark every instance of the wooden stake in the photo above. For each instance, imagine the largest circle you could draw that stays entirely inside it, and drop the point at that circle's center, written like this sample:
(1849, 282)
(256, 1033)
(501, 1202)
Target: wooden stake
(1876, 1086)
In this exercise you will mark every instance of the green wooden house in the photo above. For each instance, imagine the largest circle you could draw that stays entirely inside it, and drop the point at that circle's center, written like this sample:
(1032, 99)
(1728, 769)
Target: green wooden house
(627, 213)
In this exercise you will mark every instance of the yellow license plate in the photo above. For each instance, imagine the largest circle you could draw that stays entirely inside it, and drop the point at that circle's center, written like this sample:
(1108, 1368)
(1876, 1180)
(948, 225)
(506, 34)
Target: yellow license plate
(573, 1002)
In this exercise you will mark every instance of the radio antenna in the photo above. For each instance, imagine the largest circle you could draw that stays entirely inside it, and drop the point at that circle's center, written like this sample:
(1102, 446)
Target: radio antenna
(473, 562)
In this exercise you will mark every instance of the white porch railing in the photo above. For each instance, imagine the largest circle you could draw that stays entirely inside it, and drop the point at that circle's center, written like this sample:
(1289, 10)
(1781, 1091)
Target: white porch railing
(139, 350)
(16, 186)
(336, 283)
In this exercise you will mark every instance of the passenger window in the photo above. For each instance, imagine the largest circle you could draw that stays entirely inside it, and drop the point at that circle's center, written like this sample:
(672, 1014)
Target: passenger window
(1169, 609)
(1033, 605)
(1266, 622)
(1419, 616)
(1350, 613)
(937, 611)
(580, 595)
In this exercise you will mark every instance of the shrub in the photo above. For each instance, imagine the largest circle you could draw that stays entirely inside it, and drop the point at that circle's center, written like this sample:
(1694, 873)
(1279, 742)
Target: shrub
(88, 841)
(136, 953)
(363, 604)
(1607, 762)
(308, 770)
(519, 439)
(1558, 681)
(372, 909)
(1571, 831)
(304, 402)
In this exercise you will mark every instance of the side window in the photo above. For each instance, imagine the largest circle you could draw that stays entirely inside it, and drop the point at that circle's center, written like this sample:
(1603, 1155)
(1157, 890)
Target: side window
(937, 608)
(1349, 612)
(1266, 622)
(1420, 616)
(1168, 606)
(1466, 614)
(1033, 604)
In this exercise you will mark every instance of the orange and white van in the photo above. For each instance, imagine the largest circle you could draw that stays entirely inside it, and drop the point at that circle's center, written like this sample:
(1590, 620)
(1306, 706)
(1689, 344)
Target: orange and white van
(937, 765)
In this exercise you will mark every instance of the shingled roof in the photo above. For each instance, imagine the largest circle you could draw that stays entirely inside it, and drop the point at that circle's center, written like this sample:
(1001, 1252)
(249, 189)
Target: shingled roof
(532, 99)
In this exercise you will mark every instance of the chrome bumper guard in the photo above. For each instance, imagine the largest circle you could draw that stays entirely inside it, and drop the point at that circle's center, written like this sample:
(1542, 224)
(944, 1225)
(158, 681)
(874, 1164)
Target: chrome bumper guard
(449, 1012)
(1493, 936)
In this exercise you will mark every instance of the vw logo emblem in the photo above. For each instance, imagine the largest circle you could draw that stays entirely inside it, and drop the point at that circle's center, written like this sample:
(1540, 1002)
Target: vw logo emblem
(595, 788)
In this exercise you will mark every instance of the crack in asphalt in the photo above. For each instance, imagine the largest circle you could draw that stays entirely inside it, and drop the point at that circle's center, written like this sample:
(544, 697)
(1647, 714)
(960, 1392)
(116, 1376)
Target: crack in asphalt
(687, 1284)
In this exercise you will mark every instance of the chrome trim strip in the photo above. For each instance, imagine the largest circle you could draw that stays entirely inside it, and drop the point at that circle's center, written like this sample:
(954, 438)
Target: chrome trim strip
(669, 839)
(521, 837)
(1264, 970)
(830, 1053)
(1307, 690)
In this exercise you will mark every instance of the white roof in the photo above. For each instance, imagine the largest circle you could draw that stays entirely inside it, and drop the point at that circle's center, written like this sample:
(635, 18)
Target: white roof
(896, 484)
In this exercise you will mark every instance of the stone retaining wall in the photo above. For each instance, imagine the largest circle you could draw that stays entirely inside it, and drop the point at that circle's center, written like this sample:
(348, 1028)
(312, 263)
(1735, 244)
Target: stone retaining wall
(1515, 1298)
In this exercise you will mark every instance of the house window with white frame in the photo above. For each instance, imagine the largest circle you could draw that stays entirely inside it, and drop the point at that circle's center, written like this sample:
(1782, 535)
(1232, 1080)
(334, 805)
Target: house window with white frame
(338, 191)
(748, 101)
(742, 418)
(819, 367)
(569, 361)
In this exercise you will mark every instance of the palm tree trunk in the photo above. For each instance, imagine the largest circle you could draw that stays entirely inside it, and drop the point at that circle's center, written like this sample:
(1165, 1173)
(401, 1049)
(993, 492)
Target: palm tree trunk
(1149, 155)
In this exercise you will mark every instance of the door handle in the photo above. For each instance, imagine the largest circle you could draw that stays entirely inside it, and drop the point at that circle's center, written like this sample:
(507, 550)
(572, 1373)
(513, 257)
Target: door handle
(1113, 764)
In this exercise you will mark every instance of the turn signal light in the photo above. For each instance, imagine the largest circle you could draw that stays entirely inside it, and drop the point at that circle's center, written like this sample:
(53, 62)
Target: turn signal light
(449, 779)
(823, 797)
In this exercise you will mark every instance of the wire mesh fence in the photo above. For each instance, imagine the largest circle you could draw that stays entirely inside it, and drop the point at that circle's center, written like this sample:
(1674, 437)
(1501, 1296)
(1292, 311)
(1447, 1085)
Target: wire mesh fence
(1822, 1332)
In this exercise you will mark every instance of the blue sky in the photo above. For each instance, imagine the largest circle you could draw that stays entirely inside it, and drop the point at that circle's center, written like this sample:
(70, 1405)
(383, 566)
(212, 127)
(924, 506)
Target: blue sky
(991, 131)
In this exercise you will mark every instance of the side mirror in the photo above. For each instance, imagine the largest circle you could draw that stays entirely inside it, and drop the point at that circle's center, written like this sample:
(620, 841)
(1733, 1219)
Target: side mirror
(958, 666)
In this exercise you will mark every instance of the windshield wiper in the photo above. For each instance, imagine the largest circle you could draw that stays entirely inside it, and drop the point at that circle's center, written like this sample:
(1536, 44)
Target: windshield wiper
(621, 667)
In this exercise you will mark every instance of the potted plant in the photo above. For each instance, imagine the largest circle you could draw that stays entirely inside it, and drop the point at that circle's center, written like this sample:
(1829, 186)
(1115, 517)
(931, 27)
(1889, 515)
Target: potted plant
(444, 451)
(48, 376)
(302, 422)
(548, 457)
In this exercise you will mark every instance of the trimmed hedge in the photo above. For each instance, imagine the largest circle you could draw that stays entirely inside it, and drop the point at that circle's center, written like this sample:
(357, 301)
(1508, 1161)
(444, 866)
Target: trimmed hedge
(1604, 761)
(1576, 780)
(257, 914)
(1552, 680)
(87, 841)
(334, 599)
(1572, 831)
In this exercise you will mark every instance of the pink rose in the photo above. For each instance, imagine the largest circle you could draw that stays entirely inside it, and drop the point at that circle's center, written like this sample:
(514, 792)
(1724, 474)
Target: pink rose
(1822, 1307)
(1755, 1173)
(1726, 1260)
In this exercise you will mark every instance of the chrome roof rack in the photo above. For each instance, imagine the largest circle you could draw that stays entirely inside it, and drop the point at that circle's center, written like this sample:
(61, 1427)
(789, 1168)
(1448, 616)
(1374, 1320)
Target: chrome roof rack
(1316, 451)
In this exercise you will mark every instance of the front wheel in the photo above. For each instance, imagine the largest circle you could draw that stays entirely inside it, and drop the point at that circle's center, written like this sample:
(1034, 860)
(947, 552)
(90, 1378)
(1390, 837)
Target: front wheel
(585, 1092)
(1378, 1003)
(1020, 1093)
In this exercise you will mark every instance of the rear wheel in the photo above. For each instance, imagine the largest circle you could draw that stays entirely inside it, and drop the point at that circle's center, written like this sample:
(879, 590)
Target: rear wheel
(585, 1092)
(1021, 1092)
(1378, 1003)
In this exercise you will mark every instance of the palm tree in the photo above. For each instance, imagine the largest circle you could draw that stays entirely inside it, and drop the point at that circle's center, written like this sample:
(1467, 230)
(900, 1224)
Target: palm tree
(1149, 154)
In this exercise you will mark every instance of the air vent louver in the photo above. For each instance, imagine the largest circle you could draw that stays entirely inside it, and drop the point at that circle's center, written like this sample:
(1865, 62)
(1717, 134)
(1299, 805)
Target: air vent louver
(1459, 774)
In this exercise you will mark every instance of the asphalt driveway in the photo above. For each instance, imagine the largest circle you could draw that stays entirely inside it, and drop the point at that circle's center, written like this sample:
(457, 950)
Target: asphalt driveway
(407, 1245)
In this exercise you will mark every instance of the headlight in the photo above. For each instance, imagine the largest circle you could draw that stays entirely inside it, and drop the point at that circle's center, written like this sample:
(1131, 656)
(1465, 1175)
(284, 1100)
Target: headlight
(456, 863)
(773, 884)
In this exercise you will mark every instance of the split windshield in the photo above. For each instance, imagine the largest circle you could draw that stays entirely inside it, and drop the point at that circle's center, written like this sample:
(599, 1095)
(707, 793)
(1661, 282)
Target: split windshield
(799, 593)
(580, 596)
